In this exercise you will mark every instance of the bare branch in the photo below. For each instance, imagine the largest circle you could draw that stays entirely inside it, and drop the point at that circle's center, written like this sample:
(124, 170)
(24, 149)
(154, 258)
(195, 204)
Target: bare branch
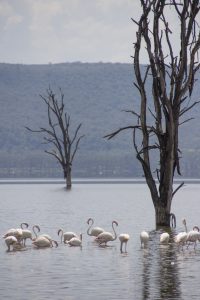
(170, 74)
(58, 135)
(176, 190)
(185, 109)
(181, 123)
(76, 147)
(111, 135)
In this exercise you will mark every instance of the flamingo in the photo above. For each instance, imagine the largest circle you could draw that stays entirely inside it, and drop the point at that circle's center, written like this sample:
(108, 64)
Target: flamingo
(43, 242)
(123, 237)
(26, 234)
(193, 235)
(181, 237)
(47, 236)
(105, 236)
(10, 241)
(164, 238)
(144, 238)
(14, 232)
(75, 241)
(95, 231)
(66, 236)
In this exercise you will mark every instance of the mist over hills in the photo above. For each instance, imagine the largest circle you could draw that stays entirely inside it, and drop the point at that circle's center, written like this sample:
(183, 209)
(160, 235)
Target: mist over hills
(95, 95)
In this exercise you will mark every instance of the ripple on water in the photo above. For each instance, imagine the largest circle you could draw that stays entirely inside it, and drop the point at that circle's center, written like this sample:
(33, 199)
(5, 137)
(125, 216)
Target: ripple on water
(157, 272)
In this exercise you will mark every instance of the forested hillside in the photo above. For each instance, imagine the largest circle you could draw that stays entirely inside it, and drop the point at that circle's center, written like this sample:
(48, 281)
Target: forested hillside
(95, 95)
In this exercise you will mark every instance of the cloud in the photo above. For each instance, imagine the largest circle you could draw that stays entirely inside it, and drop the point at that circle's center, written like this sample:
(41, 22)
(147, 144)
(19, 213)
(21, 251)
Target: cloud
(5, 9)
(69, 30)
(8, 15)
(66, 30)
(13, 20)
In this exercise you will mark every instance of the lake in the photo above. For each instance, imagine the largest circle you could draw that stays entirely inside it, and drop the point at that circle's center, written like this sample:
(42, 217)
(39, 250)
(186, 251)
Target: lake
(93, 272)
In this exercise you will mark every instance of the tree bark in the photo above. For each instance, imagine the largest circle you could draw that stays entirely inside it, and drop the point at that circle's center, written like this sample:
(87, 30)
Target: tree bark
(162, 215)
(172, 78)
(69, 180)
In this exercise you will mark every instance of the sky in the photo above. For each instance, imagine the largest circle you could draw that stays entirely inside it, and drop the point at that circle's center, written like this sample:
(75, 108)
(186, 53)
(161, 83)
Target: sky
(57, 31)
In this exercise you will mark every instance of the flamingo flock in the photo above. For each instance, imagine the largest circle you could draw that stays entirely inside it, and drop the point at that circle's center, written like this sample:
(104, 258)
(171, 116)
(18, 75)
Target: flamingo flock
(16, 238)
(183, 238)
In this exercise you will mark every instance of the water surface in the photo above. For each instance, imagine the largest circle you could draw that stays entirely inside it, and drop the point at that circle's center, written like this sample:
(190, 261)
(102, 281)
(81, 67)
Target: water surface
(93, 272)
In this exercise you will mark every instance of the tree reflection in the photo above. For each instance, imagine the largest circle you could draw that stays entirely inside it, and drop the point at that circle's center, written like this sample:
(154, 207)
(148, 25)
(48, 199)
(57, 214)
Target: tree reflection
(160, 270)
(146, 273)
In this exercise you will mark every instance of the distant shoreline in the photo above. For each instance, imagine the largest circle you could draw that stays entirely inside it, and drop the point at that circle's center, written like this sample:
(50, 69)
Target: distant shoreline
(89, 181)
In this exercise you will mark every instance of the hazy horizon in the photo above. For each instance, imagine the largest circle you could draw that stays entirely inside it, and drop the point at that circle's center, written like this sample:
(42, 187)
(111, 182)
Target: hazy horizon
(42, 32)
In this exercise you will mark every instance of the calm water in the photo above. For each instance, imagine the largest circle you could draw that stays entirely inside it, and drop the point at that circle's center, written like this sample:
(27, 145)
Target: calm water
(93, 272)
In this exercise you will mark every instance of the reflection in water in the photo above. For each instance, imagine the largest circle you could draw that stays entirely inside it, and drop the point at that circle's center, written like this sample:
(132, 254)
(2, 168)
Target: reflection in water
(155, 272)
(169, 278)
(146, 273)
(160, 270)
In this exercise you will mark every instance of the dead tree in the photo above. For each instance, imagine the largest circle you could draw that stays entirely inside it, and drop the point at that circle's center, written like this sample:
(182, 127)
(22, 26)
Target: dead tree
(57, 134)
(171, 74)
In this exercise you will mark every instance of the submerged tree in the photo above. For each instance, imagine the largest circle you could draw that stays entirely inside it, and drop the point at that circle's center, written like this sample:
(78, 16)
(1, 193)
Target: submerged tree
(57, 134)
(171, 74)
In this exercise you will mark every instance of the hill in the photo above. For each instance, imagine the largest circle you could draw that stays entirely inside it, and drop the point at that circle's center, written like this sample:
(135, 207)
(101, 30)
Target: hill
(95, 95)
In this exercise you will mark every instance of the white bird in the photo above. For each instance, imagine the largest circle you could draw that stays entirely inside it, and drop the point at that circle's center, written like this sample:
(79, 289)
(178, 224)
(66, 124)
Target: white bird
(95, 231)
(164, 238)
(66, 236)
(47, 236)
(75, 241)
(105, 237)
(26, 234)
(43, 242)
(193, 235)
(123, 237)
(181, 238)
(10, 241)
(14, 232)
(144, 238)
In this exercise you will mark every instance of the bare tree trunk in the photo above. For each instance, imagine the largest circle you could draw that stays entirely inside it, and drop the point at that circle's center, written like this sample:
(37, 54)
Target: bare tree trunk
(69, 180)
(172, 78)
(57, 134)
(68, 177)
(162, 215)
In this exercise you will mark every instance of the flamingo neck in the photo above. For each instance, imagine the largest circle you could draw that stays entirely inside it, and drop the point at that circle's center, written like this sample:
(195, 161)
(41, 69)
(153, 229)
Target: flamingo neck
(92, 222)
(61, 234)
(115, 234)
(25, 224)
(186, 230)
(34, 231)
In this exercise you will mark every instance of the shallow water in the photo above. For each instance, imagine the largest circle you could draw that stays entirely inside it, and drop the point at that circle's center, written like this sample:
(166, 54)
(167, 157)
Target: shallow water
(157, 272)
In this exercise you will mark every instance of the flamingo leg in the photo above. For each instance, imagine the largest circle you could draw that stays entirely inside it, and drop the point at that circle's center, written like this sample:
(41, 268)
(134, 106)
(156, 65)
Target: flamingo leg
(125, 246)
(121, 248)
(195, 245)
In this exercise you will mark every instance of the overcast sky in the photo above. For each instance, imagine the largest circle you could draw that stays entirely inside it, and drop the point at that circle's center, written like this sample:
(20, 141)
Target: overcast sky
(43, 31)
